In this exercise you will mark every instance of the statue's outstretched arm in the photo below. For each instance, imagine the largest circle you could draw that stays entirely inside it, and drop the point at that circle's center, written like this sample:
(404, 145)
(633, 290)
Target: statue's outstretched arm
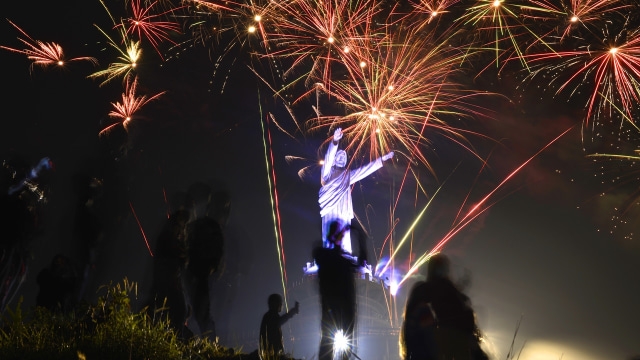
(366, 170)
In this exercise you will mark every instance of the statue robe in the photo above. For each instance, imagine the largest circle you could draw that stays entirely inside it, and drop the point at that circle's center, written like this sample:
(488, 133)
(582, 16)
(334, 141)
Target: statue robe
(335, 193)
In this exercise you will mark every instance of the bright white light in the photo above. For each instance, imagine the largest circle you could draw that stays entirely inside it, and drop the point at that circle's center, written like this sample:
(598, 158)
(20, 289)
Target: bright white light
(390, 87)
(394, 288)
(258, 18)
(392, 117)
(340, 342)
(363, 64)
(496, 3)
(252, 29)
(433, 14)
(346, 49)
(574, 18)
(613, 50)
(330, 40)
(377, 131)
(60, 62)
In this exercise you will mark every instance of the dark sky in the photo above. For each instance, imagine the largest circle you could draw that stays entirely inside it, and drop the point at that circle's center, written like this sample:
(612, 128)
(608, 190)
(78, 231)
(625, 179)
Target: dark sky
(546, 252)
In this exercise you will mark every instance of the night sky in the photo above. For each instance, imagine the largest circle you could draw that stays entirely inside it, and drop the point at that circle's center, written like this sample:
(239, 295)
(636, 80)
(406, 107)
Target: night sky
(553, 251)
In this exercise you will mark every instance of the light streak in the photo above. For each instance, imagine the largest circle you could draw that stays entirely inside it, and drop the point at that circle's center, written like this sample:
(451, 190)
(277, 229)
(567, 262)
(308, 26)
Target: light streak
(474, 212)
(141, 229)
(274, 207)
(409, 232)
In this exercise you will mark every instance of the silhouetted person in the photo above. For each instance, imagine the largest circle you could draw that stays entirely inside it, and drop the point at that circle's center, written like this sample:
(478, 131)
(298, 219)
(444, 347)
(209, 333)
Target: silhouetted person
(418, 336)
(88, 230)
(23, 193)
(205, 255)
(58, 283)
(337, 292)
(206, 245)
(438, 301)
(169, 264)
(271, 343)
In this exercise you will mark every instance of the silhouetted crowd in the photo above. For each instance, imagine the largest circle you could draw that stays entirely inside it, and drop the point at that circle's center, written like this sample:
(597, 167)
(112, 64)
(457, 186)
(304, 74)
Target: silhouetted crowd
(439, 322)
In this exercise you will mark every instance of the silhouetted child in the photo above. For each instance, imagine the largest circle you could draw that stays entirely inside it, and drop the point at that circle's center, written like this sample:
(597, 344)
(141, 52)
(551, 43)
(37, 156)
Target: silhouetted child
(271, 343)
(439, 320)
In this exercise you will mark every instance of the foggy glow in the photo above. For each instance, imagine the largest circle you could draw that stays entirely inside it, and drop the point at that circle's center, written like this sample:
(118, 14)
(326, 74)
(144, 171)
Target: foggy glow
(548, 350)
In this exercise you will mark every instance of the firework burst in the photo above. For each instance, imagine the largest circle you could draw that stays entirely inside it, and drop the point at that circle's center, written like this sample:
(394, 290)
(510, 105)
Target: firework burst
(609, 72)
(399, 96)
(149, 26)
(131, 103)
(569, 15)
(243, 20)
(42, 53)
(314, 34)
(127, 61)
(498, 25)
(433, 8)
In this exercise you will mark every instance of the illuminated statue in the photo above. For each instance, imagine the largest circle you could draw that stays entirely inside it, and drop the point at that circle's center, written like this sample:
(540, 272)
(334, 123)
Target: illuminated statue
(335, 193)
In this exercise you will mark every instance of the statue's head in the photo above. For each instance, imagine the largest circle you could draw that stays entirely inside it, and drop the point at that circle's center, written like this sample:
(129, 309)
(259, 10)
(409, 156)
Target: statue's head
(341, 158)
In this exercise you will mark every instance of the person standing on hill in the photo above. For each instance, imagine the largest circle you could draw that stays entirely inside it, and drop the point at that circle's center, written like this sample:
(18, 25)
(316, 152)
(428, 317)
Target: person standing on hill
(271, 343)
(439, 322)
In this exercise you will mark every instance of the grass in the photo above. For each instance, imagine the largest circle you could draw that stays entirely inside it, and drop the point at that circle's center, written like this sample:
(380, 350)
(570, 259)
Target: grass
(108, 329)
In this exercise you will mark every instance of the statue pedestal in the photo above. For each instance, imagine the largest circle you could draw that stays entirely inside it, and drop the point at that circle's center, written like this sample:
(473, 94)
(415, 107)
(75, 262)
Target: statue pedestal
(363, 272)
